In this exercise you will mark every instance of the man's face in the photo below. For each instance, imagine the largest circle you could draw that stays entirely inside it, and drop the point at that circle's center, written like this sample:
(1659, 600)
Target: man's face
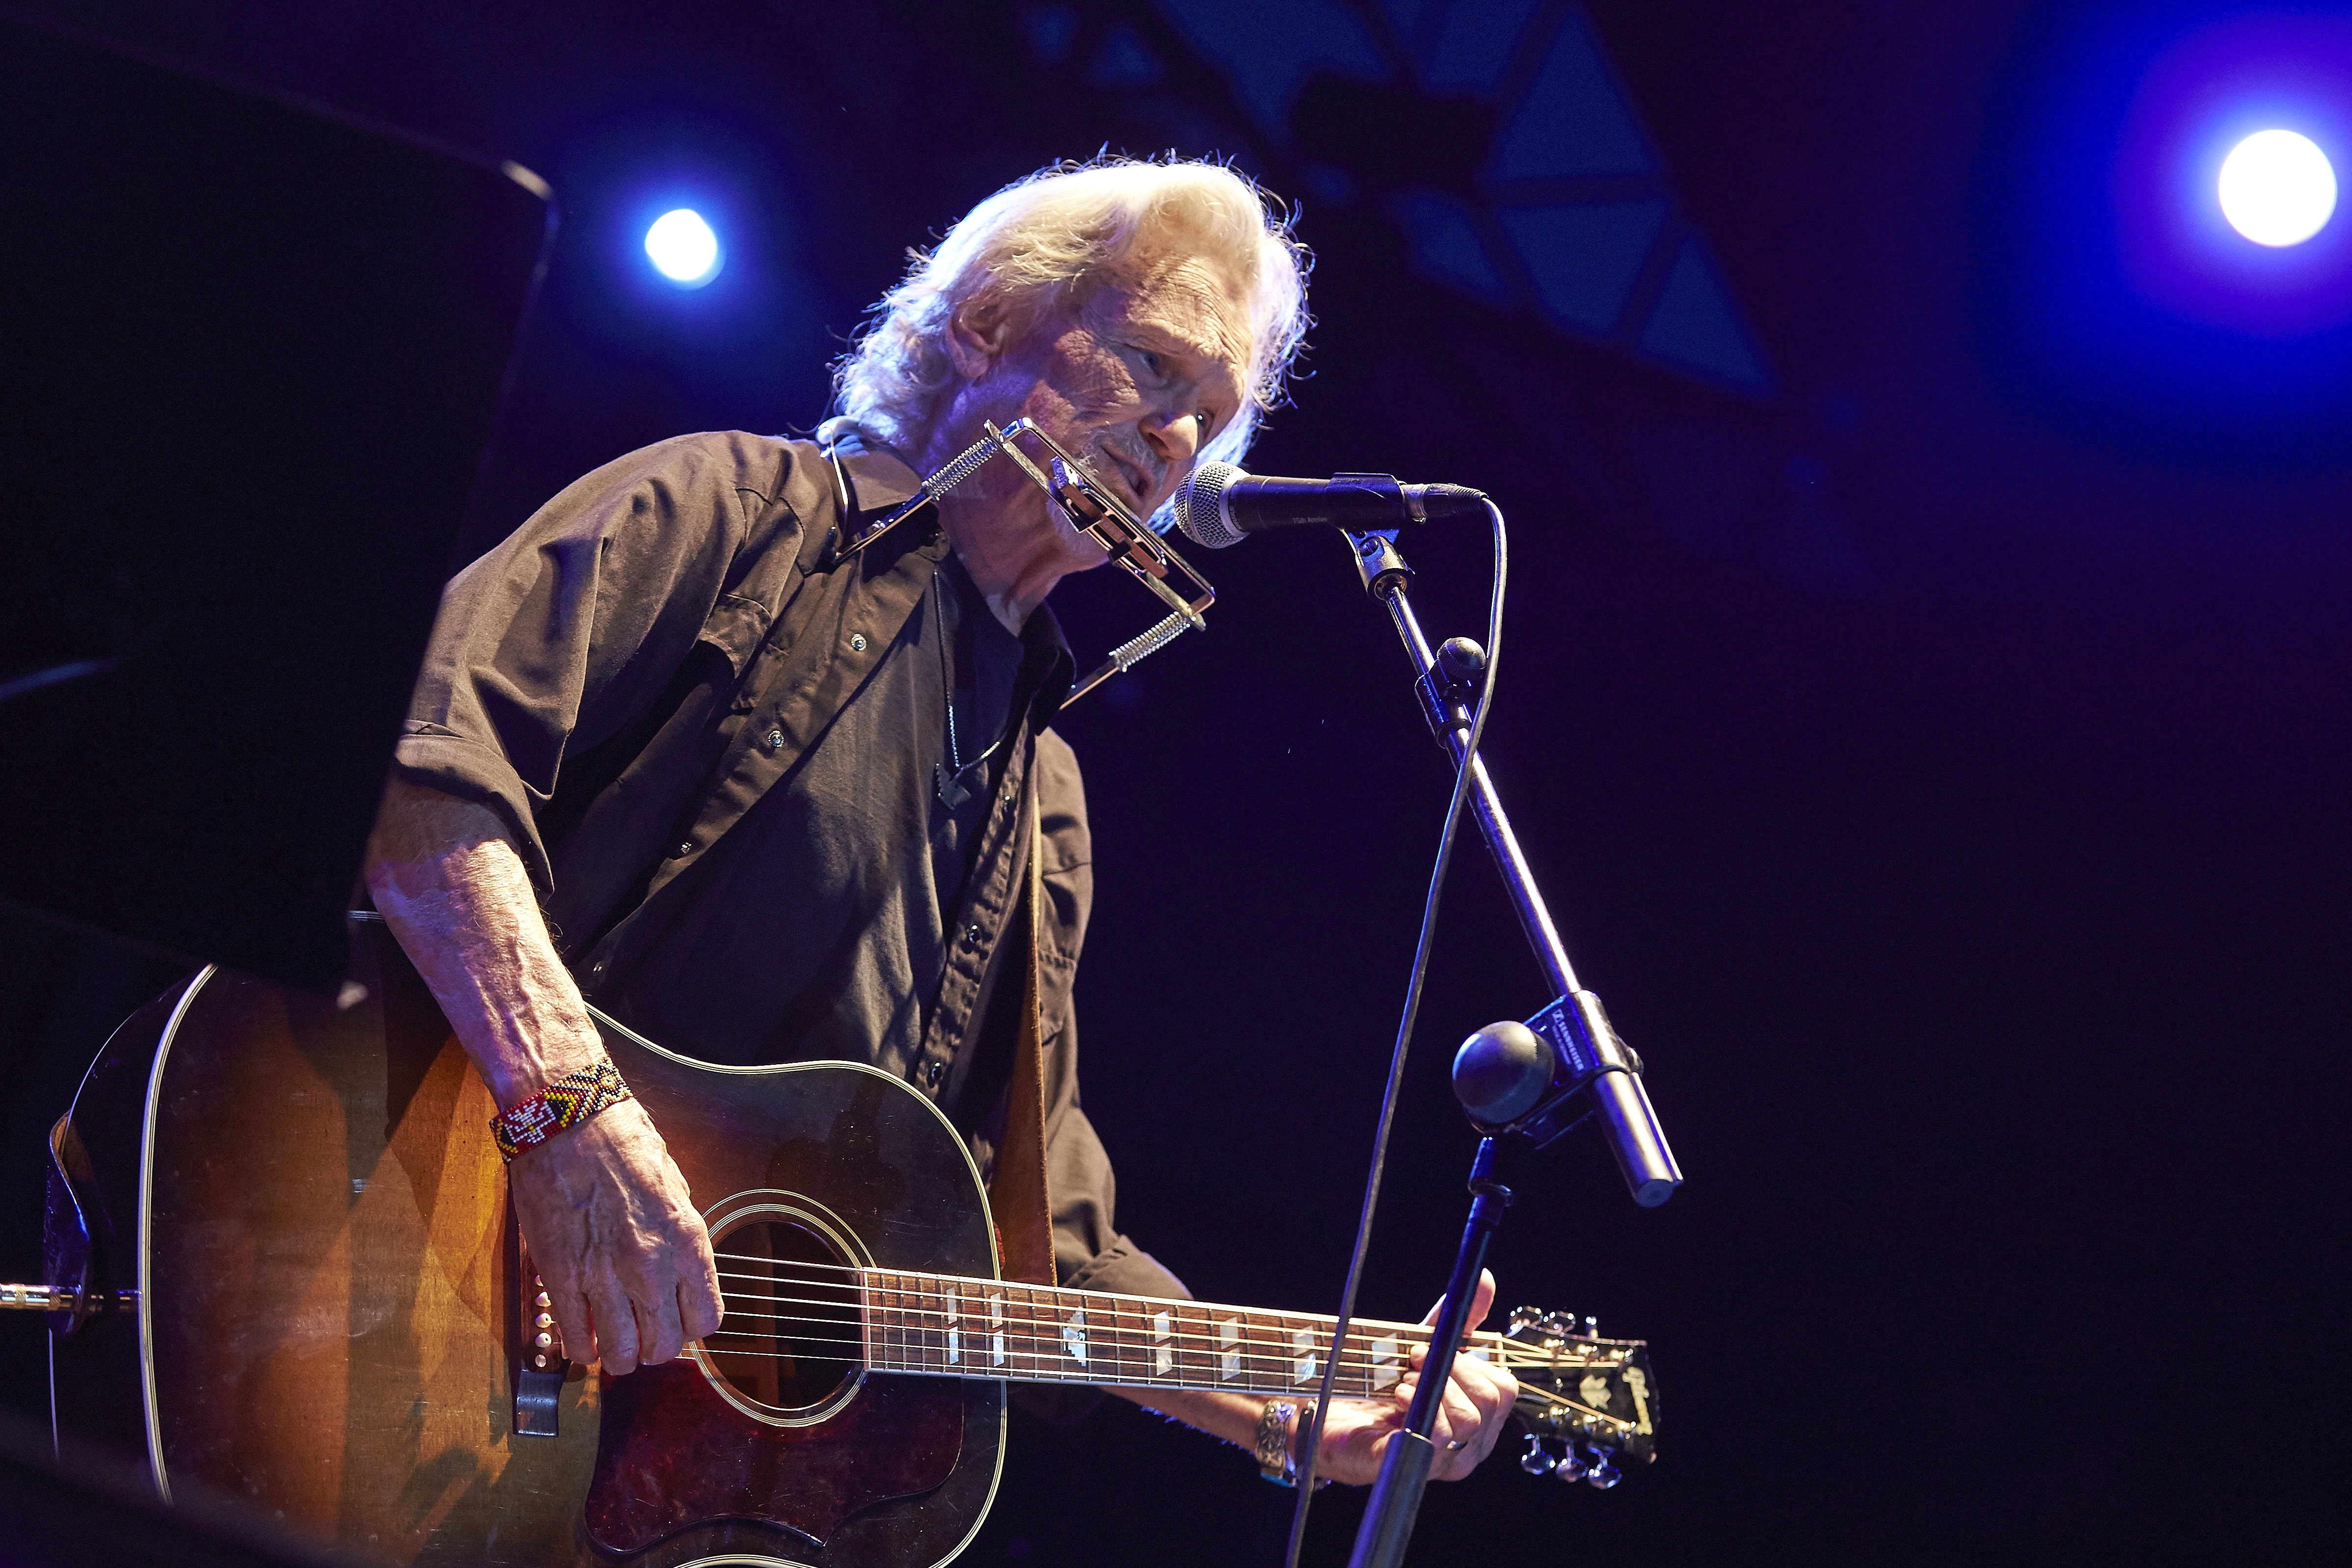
(1134, 381)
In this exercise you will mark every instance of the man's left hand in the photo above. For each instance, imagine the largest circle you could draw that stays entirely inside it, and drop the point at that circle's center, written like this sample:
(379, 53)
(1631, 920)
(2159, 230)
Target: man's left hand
(1478, 1396)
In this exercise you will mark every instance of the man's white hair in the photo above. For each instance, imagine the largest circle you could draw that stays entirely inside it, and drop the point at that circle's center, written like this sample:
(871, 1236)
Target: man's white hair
(1035, 246)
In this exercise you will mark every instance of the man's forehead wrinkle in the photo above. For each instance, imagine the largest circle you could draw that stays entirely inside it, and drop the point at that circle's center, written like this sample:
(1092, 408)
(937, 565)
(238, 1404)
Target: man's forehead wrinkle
(1181, 301)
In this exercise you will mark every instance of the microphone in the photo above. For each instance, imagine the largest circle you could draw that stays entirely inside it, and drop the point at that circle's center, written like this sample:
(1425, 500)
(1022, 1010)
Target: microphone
(1218, 503)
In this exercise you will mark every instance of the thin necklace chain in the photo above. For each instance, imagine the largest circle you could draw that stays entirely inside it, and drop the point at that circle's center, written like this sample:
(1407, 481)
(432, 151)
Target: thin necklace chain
(957, 766)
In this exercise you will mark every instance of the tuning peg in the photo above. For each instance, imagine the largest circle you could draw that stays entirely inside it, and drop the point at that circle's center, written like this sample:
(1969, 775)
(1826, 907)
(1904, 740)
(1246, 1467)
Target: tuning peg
(1571, 1468)
(1538, 1461)
(1601, 1472)
(1591, 1330)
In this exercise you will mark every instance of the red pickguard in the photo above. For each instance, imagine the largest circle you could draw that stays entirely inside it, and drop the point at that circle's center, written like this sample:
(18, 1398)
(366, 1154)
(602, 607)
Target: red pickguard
(673, 1454)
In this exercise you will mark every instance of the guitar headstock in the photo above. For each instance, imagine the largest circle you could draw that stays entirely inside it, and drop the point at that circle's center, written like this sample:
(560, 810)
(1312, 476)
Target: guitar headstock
(1588, 1403)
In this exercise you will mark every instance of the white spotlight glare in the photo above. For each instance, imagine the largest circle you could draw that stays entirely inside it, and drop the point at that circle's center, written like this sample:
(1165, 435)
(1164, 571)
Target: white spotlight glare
(2277, 188)
(682, 246)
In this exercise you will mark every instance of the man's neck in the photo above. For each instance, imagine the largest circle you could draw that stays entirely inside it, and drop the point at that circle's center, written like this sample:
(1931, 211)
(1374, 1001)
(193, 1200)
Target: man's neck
(1015, 556)
(1013, 581)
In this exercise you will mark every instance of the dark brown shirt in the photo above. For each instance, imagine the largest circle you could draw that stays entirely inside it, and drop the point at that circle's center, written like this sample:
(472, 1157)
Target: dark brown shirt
(713, 739)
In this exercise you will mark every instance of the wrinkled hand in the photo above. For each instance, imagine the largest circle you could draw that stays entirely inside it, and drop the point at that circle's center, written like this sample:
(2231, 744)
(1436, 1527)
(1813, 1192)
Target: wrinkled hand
(616, 1235)
(1478, 1396)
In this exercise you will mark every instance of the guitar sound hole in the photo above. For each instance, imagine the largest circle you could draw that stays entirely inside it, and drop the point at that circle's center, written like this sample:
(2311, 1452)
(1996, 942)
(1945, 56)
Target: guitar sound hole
(791, 1338)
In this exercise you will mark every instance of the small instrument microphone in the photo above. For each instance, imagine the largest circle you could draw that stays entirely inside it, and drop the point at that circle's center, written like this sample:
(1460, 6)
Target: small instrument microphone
(1218, 503)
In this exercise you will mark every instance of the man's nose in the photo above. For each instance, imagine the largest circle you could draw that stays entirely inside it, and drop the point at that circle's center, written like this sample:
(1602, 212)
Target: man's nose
(1177, 439)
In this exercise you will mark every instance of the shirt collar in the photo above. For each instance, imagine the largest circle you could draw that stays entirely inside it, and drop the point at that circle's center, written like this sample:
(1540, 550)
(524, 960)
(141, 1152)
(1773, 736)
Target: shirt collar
(1045, 657)
(880, 480)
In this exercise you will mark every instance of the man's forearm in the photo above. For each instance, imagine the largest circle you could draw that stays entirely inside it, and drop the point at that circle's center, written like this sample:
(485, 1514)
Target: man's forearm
(454, 891)
(612, 1228)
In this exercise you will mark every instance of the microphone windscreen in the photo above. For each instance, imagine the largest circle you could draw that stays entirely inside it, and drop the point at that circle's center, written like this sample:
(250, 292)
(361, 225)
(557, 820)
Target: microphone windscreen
(1200, 506)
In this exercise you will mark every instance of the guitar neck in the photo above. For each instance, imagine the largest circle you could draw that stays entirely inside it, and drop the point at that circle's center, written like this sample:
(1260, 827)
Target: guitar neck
(950, 1327)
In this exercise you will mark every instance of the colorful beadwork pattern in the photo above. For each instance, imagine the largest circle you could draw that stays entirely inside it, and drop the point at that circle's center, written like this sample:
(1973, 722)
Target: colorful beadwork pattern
(565, 1103)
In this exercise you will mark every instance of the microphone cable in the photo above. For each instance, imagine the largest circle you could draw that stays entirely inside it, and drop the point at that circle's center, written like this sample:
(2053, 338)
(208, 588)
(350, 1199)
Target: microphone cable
(1314, 1434)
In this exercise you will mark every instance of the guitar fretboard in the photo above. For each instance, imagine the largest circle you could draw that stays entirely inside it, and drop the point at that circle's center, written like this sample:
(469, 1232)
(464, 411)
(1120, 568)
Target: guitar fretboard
(952, 1327)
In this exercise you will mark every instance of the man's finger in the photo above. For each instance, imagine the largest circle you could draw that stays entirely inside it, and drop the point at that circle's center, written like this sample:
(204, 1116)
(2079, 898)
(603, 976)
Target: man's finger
(698, 1312)
(569, 1308)
(1459, 1419)
(1482, 1302)
(659, 1338)
(616, 1328)
(699, 1301)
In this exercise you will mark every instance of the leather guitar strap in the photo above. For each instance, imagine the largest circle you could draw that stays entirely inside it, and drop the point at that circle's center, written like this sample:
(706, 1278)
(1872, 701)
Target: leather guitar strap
(1017, 1191)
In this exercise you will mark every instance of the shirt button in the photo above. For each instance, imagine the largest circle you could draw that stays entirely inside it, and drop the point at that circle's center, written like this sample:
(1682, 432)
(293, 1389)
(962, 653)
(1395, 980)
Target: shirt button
(596, 969)
(682, 851)
(972, 936)
(933, 1073)
(857, 642)
(773, 739)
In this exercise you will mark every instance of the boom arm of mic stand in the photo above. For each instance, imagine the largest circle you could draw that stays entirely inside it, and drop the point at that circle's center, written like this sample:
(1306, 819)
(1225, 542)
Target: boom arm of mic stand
(1634, 1136)
(1608, 1071)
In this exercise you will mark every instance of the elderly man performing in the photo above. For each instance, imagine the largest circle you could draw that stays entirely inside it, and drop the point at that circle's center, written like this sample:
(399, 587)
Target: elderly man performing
(761, 799)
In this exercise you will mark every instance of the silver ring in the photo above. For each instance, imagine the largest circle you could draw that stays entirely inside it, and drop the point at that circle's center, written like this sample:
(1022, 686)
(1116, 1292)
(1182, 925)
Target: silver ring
(1451, 1446)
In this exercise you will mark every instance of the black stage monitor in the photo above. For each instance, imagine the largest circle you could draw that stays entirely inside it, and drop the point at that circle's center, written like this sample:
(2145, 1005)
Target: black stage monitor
(249, 357)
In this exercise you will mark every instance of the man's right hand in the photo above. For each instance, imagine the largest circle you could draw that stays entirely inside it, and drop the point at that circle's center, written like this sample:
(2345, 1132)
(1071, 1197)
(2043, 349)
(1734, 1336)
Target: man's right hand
(614, 1235)
(604, 1210)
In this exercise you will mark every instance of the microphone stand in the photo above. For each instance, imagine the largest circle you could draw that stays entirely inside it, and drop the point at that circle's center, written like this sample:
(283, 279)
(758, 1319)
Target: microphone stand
(1589, 1063)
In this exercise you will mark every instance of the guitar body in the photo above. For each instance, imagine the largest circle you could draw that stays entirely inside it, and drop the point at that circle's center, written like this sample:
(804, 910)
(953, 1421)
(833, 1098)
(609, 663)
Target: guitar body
(334, 1314)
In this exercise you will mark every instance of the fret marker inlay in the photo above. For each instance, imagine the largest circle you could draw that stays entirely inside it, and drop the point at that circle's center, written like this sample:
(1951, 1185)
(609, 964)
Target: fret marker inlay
(1073, 1337)
(1163, 1359)
(996, 1321)
(1229, 1334)
(1302, 1342)
(1385, 1358)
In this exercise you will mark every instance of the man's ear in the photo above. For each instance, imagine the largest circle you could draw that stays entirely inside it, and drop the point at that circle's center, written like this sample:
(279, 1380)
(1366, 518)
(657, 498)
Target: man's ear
(977, 334)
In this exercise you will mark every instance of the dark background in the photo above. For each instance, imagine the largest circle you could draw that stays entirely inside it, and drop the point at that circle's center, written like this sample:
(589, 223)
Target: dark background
(1932, 743)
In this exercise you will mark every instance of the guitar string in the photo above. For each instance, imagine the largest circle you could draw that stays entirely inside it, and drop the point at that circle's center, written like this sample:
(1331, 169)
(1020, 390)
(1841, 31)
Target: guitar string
(1043, 1363)
(1105, 1329)
(1113, 1341)
(1279, 1349)
(933, 1305)
(925, 1285)
(1051, 1350)
(1252, 1340)
(1363, 1367)
(934, 1340)
(923, 1288)
(1052, 1345)
(1123, 1376)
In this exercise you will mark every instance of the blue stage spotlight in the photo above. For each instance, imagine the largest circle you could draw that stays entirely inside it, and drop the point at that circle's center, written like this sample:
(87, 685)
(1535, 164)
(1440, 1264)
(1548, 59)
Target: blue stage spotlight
(2277, 188)
(683, 247)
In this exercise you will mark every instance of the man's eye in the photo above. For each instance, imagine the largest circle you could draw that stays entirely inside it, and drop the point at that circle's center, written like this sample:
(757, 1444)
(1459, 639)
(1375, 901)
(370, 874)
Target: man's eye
(1152, 362)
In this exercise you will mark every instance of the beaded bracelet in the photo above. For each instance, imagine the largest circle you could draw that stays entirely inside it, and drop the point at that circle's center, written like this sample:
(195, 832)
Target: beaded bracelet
(561, 1105)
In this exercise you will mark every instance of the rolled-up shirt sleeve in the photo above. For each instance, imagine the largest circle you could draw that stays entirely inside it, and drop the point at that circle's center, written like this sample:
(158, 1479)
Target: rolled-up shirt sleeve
(549, 642)
(1089, 1253)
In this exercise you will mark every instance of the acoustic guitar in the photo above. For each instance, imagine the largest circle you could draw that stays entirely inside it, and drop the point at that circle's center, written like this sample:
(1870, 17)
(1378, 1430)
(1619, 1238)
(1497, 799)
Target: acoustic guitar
(282, 1265)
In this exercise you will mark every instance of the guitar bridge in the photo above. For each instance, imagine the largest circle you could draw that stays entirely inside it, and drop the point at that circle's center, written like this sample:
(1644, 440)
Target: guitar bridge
(540, 1365)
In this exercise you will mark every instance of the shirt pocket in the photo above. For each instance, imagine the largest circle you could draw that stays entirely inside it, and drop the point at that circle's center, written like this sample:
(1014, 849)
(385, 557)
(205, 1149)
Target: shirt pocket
(735, 626)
